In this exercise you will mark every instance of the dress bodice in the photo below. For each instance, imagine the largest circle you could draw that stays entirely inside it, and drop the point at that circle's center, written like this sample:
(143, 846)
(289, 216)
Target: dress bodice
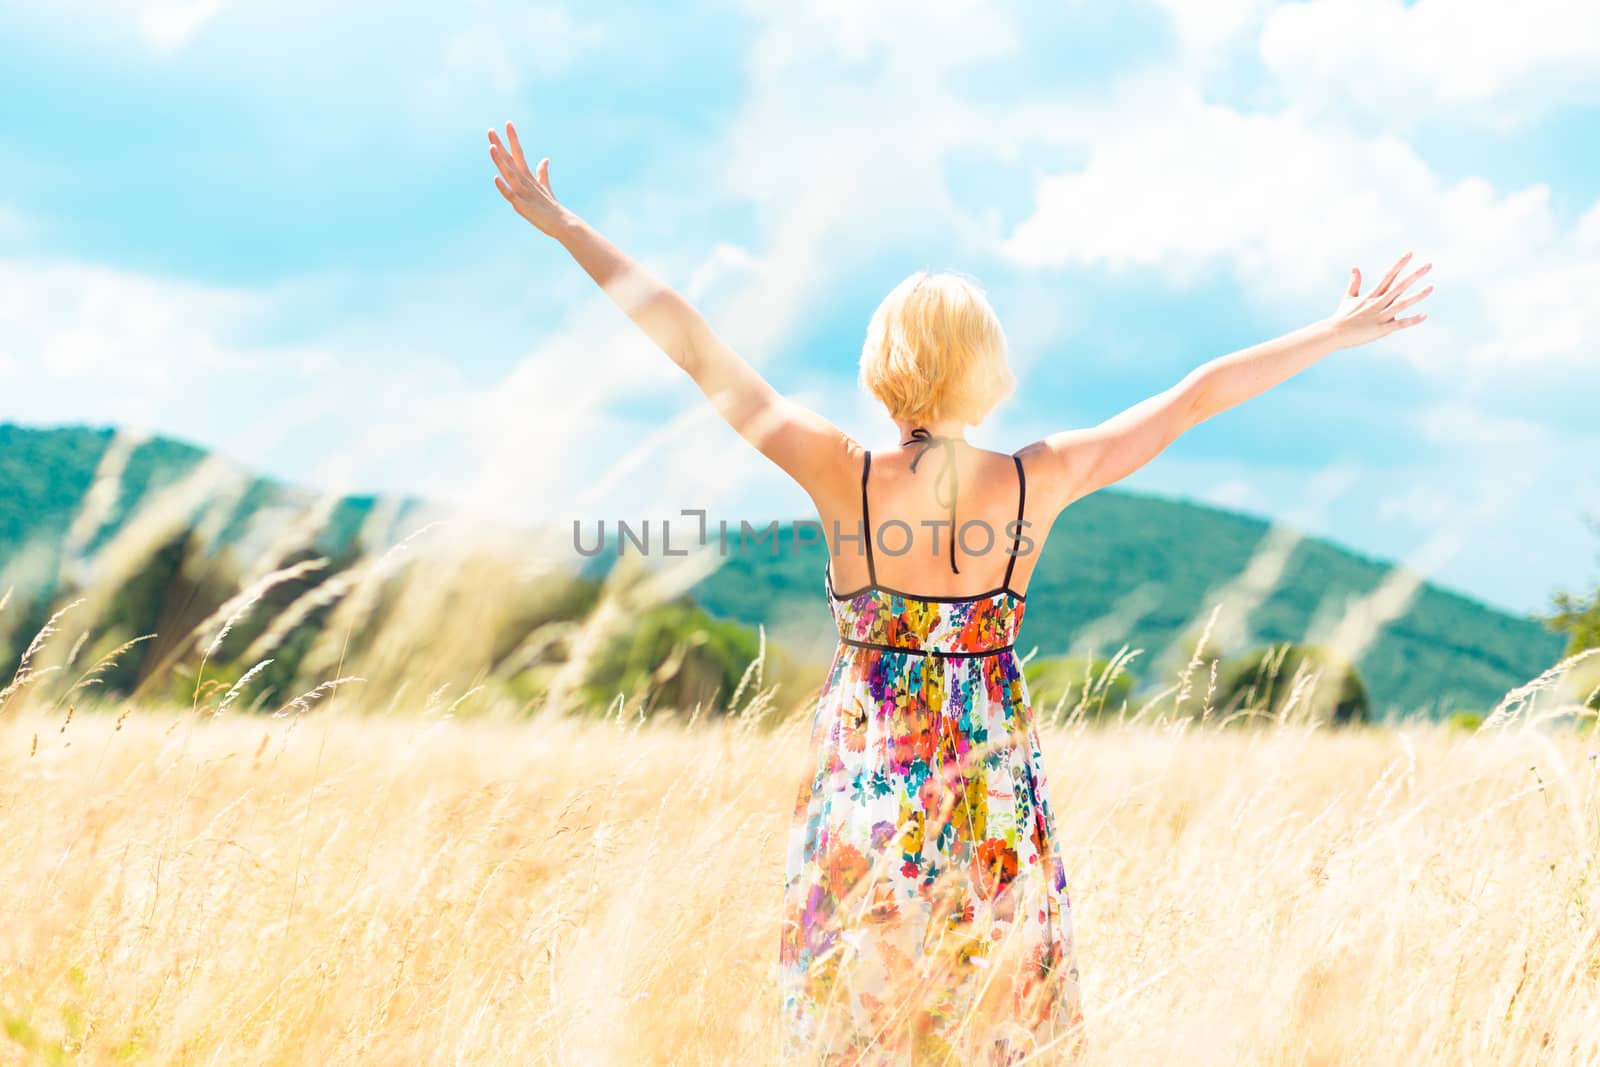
(952, 626)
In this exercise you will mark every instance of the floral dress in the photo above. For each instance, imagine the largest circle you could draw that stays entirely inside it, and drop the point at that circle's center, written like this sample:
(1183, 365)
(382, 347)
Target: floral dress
(925, 910)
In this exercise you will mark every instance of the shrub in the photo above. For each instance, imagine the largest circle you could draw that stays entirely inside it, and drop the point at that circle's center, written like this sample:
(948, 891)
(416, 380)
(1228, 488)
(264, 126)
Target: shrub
(1060, 685)
(675, 655)
(1264, 681)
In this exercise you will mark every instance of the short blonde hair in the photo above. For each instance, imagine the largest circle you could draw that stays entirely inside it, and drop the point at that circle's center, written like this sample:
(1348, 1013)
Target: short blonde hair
(935, 350)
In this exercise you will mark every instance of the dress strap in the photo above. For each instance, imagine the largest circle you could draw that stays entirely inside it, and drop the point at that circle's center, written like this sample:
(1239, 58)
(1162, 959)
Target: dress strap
(1022, 499)
(866, 517)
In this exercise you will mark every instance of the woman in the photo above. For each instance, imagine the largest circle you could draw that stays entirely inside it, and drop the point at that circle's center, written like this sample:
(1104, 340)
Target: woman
(926, 915)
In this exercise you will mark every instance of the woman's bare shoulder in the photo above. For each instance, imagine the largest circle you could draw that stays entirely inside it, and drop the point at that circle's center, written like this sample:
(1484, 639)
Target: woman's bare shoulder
(1049, 472)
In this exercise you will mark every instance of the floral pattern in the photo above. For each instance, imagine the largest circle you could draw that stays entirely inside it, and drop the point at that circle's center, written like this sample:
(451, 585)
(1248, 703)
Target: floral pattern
(926, 915)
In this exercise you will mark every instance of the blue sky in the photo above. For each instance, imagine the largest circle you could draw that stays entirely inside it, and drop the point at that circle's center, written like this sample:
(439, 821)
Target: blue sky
(272, 229)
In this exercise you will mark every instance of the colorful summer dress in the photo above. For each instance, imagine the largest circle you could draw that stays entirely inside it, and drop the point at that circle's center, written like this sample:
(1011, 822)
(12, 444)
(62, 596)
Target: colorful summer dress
(925, 910)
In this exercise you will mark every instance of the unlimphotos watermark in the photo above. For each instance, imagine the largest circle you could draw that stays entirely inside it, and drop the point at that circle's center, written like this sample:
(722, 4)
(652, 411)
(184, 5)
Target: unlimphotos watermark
(894, 537)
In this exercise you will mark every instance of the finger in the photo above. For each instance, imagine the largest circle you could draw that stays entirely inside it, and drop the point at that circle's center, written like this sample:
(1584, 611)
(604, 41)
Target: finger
(1400, 305)
(505, 190)
(1355, 282)
(1412, 321)
(511, 160)
(516, 145)
(544, 175)
(1383, 286)
(1406, 284)
(495, 144)
(504, 163)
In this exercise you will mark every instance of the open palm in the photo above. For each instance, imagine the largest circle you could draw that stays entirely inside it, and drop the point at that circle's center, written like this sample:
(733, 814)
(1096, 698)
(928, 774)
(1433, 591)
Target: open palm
(1360, 319)
(526, 191)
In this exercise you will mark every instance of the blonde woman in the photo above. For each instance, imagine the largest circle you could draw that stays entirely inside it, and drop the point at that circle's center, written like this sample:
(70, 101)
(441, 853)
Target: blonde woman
(926, 917)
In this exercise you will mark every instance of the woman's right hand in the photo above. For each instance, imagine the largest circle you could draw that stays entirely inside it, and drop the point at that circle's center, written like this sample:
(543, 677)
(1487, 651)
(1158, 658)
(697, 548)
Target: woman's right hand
(530, 195)
(1360, 319)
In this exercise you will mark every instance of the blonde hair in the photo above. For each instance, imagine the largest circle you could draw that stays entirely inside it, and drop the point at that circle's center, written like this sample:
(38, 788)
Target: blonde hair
(935, 350)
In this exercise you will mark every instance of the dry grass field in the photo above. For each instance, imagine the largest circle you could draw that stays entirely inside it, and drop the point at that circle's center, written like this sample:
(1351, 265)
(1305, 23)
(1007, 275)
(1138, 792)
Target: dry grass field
(341, 887)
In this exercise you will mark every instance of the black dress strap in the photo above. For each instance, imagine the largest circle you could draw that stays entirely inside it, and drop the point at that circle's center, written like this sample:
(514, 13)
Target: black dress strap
(866, 517)
(1022, 499)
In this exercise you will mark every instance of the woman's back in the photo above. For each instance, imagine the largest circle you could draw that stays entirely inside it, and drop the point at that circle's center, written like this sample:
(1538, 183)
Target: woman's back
(912, 497)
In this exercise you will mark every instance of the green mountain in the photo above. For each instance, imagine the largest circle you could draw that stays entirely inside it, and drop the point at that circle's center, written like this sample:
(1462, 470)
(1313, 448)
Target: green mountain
(1136, 569)
(1168, 559)
(45, 475)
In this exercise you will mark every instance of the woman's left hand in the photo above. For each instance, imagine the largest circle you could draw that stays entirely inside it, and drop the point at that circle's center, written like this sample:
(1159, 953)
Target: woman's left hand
(531, 195)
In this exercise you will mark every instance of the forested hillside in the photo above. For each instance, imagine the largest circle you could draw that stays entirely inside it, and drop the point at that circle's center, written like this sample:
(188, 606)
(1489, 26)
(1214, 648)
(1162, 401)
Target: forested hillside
(1120, 569)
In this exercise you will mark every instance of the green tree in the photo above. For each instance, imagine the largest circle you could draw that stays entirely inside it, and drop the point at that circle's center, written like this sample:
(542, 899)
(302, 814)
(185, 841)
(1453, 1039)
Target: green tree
(1578, 617)
(24, 615)
(1060, 685)
(674, 655)
(1265, 680)
(178, 587)
(283, 677)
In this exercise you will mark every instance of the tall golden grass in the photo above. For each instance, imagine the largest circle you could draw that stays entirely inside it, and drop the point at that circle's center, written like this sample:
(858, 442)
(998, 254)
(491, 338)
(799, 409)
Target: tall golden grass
(407, 863)
(335, 887)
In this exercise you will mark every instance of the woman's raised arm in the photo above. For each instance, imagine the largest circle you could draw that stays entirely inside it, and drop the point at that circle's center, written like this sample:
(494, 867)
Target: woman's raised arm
(1075, 463)
(808, 447)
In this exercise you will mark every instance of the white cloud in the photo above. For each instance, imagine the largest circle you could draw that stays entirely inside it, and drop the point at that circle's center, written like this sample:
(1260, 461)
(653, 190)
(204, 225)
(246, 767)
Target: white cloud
(1587, 232)
(1186, 189)
(908, 36)
(161, 27)
(1180, 185)
(1467, 61)
(1417, 505)
(1456, 425)
(1207, 32)
(849, 116)
(1238, 495)
(167, 27)
(81, 342)
(299, 61)
(85, 325)
(488, 60)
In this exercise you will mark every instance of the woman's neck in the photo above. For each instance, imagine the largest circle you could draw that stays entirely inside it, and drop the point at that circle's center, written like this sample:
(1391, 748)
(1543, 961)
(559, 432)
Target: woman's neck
(936, 427)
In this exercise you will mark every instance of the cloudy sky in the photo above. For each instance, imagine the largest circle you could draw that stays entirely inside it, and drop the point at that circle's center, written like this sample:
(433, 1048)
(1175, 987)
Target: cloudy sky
(272, 229)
